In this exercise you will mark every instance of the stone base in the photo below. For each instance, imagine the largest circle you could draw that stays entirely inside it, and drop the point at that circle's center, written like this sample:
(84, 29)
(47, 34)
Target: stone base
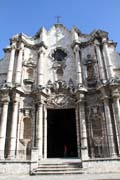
(15, 167)
(93, 166)
(105, 165)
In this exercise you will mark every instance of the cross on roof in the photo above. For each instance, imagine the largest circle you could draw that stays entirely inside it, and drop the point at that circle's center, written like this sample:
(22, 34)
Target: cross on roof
(58, 19)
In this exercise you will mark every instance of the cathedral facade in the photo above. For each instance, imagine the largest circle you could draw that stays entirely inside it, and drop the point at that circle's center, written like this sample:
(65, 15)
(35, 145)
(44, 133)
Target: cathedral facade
(60, 97)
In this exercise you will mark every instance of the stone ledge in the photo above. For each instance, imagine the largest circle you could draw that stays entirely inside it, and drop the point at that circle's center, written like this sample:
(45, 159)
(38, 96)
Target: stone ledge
(16, 161)
(102, 159)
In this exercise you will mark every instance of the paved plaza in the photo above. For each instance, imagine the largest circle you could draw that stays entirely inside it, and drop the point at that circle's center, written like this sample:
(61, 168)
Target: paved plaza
(63, 177)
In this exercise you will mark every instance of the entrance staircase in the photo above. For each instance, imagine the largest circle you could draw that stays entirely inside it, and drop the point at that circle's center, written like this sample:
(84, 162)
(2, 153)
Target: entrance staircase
(58, 166)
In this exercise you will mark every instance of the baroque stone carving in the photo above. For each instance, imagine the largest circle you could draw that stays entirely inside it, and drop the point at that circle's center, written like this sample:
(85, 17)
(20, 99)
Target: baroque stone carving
(115, 80)
(61, 86)
(5, 96)
(96, 126)
(58, 65)
(29, 63)
(61, 101)
(4, 92)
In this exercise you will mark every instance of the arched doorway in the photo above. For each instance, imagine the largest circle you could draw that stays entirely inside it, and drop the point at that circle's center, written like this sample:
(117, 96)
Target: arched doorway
(61, 133)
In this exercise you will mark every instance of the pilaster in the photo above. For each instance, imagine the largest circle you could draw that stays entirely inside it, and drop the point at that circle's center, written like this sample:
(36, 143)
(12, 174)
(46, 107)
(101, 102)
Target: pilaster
(13, 134)
(101, 64)
(11, 63)
(78, 64)
(83, 129)
(33, 128)
(19, 64)
(78, 130)
(41, 60)
(107, 60)
(3, 127)
(45, 132)
(110, 132)
(116, 111)
(40, 131)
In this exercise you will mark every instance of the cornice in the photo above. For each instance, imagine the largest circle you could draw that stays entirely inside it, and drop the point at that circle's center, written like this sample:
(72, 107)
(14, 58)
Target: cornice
(41, 44)
(34, 46)
(74, 44)
(7, 49)
(82, 44)
(112, 43)
(99, 33)
(28, 41)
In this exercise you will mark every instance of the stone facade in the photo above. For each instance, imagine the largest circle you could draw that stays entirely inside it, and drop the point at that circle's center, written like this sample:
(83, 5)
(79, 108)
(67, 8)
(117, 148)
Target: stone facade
(60, 69)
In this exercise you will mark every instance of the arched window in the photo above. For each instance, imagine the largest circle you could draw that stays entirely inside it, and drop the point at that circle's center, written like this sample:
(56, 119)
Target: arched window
(59, 73)
(30, 73)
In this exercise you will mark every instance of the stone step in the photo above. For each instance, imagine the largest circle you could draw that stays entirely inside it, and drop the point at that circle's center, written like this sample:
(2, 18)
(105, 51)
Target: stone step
(57, 172)
(78, 165)
(58, 168)
(60, 161)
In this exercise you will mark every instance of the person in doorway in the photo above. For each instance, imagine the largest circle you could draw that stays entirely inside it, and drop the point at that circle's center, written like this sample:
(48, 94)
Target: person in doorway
(65, 151)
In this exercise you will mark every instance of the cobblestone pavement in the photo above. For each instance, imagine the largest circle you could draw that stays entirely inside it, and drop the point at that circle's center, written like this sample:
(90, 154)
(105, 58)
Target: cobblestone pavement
(63, 177)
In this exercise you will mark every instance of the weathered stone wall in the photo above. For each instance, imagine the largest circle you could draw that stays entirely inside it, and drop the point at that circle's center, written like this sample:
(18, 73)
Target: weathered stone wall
(102, 166)
(14, 167)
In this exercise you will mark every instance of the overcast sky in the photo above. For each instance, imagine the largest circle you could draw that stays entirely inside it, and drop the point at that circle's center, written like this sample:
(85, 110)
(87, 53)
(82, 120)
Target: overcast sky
(28, 16)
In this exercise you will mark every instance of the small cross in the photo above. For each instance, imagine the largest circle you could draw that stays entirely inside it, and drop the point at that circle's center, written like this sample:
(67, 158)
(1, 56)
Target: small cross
(58, 19)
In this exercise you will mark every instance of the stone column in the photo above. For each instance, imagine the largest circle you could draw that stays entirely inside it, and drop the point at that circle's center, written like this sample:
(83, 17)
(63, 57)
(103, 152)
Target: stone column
(40, 131)
(110, 133)
(13, 134)
(41, 66)
(33, 128)
(78, 131)
(45, 133)
(83, 130)
(107, 60)
(78, 64)
(3, 127)
(116, 110)
(101, 64)
(11, 64)
(19, 65)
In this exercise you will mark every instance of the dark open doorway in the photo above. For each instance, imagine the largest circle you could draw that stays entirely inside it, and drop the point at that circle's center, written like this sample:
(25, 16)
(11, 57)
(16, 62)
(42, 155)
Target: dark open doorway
(61, 133)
